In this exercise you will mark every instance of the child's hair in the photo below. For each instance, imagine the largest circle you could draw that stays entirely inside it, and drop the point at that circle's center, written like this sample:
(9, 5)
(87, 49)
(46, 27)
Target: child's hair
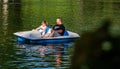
(45, 22)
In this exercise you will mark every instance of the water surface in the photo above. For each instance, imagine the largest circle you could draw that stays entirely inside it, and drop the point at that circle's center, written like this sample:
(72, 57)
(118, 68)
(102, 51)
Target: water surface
(21, 15)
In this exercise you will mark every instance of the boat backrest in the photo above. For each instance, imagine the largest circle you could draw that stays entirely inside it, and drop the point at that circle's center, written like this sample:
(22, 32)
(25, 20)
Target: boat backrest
(47, 29)
(66, 33)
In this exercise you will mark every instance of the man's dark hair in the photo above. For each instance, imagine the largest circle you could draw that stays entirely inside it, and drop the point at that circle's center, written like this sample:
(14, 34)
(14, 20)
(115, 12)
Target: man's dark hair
(59, 18)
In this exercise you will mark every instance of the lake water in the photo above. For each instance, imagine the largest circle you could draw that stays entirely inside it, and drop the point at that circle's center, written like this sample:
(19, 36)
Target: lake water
(39, 57)
(21, 15)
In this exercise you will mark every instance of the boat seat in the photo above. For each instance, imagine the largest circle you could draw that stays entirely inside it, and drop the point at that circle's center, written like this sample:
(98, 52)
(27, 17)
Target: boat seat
(66, 33)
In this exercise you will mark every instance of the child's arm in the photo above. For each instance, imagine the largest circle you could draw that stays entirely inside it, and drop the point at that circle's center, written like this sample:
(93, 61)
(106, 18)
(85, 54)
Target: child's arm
(38, 28)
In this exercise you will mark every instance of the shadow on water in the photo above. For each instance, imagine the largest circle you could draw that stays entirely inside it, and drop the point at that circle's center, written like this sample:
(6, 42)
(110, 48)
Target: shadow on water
(97, 50)
(48, 56)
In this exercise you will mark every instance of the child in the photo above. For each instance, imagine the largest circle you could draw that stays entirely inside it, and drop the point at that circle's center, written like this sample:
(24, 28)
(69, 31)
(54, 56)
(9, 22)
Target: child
(42, 28)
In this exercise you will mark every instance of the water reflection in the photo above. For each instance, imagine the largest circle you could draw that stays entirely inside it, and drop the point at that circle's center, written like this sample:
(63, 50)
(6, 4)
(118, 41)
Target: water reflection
(39, 56)
(5, 17)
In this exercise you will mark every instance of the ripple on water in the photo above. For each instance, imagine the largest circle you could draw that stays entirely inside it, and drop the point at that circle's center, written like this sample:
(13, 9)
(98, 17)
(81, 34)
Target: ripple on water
(40, 57)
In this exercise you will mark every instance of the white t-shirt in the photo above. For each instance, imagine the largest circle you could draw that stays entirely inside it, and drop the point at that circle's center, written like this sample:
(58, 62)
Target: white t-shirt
(42, 30)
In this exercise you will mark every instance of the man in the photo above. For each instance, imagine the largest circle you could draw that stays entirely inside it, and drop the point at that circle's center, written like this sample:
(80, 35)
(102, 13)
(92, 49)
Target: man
(59, 28)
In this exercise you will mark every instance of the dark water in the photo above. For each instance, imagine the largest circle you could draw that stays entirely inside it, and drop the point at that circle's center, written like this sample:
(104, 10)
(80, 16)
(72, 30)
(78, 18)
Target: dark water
(21, 15)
